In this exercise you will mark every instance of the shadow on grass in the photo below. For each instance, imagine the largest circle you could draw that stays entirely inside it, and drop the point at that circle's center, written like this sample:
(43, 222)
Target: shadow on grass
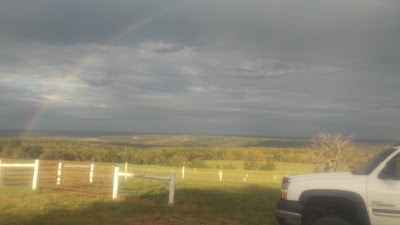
(245, 205)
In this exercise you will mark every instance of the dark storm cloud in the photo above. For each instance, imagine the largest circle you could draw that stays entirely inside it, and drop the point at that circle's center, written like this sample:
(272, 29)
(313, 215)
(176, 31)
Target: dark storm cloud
(168, 49)
(72, 21)
(276, 67)
(102, 82)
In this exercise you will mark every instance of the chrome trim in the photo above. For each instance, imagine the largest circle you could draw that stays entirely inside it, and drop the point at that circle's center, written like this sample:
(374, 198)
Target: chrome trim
(386, 212)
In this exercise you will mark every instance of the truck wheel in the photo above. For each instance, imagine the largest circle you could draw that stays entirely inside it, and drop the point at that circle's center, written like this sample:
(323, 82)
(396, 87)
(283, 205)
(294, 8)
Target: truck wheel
(330, 220)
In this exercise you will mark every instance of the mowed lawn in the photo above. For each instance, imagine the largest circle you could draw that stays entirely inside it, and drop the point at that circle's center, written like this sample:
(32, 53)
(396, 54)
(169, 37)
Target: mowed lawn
(241, 197)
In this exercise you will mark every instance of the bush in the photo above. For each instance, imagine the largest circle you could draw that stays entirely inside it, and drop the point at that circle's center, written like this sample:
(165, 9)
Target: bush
(250, 165)
(198, 163)
(268, 166)
(177, 161)
(229, 167)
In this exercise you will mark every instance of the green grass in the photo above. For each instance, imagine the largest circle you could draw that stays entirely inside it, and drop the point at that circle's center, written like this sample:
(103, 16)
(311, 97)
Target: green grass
(200, 198)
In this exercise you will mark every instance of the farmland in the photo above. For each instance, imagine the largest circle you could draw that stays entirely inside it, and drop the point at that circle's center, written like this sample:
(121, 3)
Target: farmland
(218, 186)
(200, 199)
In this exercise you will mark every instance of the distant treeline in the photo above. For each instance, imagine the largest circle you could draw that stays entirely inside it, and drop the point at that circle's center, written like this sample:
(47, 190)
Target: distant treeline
(78, 150)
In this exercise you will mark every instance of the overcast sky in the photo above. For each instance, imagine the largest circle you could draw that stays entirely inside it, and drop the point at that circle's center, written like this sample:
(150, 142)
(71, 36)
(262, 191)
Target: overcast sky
(265, 68)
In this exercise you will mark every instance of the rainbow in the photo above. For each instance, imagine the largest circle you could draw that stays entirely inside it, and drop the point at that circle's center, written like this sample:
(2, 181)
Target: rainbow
(85, 60)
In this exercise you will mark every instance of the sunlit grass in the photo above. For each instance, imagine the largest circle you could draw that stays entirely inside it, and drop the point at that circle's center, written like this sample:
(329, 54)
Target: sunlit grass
(200, 198)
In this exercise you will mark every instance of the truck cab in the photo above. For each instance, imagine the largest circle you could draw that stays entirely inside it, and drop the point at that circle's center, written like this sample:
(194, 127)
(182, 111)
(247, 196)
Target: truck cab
(369, 196)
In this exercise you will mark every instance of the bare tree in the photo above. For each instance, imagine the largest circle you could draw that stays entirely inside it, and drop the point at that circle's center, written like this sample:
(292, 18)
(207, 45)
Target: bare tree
(327, 150)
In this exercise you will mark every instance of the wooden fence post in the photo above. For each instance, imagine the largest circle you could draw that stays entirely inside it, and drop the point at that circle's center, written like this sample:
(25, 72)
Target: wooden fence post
(91, 173)
(183, 172)
(1, 174)
(172, 186)
(126, 170)
(220, 175)
(115, 186)
(35, 175)
(59, 173)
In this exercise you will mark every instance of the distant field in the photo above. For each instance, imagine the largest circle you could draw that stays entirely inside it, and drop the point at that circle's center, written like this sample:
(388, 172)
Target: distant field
(154, 140)
(174, 140)
(200, 199)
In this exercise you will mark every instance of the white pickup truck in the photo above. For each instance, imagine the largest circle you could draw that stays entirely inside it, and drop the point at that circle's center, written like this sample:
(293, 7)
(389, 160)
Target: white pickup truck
(369, 196)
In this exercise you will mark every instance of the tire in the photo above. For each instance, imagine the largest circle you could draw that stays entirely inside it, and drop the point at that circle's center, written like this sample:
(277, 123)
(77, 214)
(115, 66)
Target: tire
(330, 220)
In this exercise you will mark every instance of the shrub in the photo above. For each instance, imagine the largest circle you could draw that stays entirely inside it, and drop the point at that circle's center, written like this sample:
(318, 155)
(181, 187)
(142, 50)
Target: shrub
(177, 160)
(250, 165)
(198, 163)
(267, 166)
(229, 166)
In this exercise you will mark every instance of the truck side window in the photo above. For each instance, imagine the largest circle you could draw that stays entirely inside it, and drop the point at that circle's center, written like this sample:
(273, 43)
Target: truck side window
(397, 168)
(392, 169)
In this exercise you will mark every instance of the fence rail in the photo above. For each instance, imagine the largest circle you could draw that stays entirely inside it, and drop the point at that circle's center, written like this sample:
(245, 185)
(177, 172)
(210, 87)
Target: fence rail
(21, 175)
(81, 178)
(171, 179)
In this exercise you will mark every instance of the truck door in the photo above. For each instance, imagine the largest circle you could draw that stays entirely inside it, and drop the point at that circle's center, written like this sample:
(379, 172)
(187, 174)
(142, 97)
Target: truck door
(383, 194)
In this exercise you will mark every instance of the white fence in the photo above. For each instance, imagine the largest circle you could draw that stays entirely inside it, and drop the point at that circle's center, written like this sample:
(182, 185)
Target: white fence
(220, 175)
(62, 165)
(34, 166)
(59, 167)
(171, 179)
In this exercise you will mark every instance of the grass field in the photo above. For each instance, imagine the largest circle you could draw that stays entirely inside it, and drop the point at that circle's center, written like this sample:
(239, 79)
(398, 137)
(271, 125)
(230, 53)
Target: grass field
(200, 198)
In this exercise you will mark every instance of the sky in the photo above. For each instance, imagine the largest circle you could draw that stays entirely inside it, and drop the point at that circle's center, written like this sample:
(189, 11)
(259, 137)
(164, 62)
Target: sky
(231, 67)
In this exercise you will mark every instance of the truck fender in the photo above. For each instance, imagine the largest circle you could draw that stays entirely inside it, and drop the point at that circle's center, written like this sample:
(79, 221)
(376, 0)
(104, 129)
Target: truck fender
(355, 198)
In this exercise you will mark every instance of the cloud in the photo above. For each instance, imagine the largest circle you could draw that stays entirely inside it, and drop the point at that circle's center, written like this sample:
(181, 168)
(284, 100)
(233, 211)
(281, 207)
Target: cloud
(98, 80)
(62, 22)
(232, 67)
